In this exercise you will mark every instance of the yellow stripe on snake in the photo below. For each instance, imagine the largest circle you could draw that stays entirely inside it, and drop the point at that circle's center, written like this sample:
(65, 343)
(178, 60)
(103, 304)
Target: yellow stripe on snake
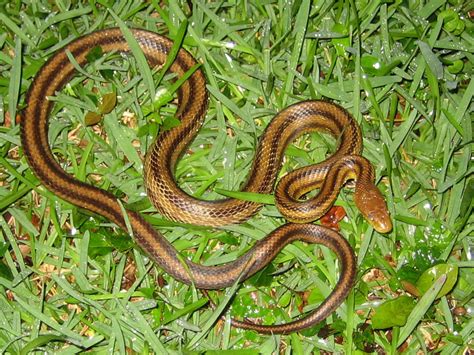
(171, 201)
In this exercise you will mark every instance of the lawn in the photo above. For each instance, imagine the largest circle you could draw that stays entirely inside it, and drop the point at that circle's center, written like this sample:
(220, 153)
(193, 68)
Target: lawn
(71, 281)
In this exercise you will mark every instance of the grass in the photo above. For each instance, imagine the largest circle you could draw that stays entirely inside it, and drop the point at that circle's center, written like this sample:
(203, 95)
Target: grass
(72, 282)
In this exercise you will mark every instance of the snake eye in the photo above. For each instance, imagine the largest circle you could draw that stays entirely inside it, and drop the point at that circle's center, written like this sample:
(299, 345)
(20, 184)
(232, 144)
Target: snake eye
(372, 219)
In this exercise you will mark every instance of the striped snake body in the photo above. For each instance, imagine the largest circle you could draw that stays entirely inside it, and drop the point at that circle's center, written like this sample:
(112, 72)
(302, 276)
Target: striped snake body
(346, 163)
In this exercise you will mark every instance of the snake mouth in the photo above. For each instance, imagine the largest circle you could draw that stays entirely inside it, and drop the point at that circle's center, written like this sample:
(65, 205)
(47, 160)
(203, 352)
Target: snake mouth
(380, 220)
(384, 226)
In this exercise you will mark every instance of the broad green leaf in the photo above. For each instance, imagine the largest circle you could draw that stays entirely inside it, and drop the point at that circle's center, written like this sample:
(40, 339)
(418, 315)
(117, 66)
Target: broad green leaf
(393, 313)
(428, 278)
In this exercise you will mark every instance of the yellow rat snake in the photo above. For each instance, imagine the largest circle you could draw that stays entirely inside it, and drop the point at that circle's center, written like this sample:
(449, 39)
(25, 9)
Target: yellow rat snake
(329, 176)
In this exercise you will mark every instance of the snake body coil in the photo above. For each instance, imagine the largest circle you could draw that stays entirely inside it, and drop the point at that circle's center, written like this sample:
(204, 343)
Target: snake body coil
(172, 202)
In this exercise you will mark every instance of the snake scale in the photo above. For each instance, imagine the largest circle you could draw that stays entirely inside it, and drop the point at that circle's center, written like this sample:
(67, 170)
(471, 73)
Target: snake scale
(307, 116)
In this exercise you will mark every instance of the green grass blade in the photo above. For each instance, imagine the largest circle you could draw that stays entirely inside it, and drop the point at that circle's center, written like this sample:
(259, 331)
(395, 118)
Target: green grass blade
(420, 310)
(299, 32)
(138, 54)
(15, 80)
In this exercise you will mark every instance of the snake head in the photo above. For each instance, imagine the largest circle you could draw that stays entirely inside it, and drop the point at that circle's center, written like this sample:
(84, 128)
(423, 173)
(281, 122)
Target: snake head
(372, 205)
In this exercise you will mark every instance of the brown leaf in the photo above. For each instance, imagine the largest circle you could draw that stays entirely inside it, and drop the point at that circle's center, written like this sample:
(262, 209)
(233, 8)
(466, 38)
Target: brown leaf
(92, 118)
(108, 103)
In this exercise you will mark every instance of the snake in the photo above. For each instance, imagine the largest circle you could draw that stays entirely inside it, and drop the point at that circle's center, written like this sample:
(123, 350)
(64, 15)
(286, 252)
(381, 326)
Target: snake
(346, 163)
